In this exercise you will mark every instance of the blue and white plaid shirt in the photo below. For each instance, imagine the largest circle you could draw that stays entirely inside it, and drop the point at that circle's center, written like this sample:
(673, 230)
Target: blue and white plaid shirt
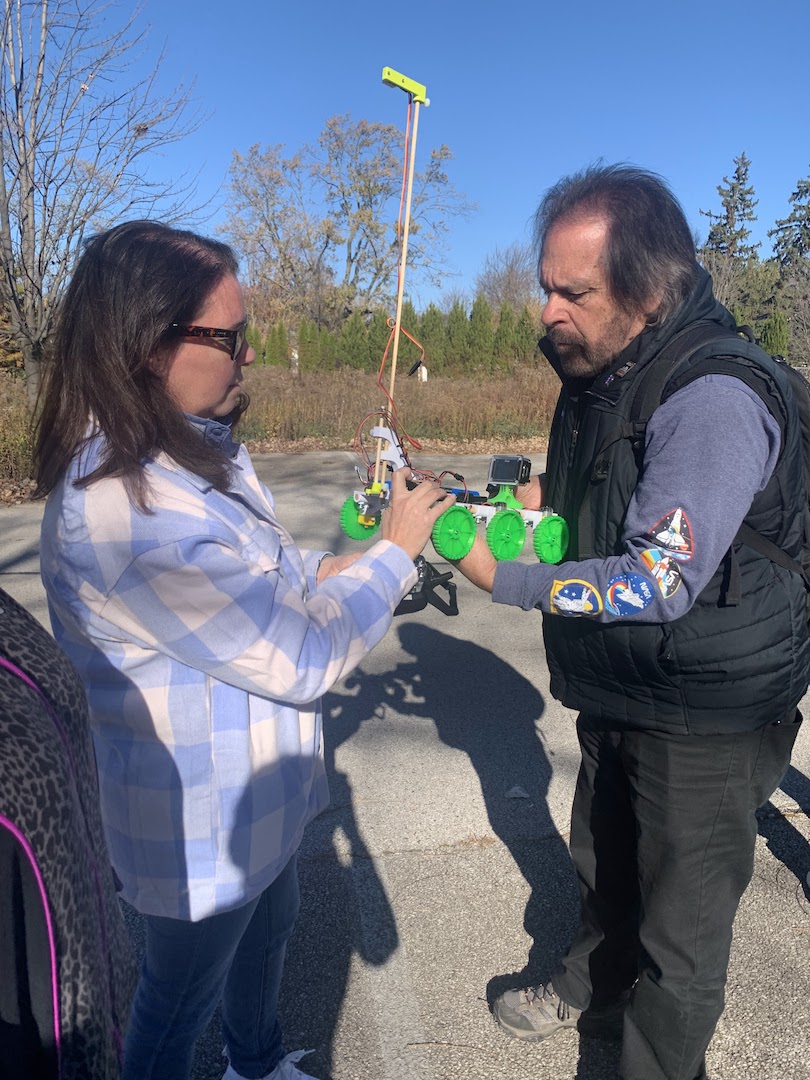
(205, 647)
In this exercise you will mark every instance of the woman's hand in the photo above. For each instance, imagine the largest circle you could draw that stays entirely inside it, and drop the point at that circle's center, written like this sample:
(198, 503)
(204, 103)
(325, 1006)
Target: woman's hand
(410, 518)
(333, 564)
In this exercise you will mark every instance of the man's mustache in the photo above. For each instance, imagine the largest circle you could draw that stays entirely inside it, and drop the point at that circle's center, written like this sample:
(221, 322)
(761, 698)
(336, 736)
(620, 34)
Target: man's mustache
(559, 337)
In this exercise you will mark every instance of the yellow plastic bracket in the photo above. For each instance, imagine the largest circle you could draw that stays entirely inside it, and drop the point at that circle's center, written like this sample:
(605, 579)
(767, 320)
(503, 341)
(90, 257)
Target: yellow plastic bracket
(415, 89)
(372, 489)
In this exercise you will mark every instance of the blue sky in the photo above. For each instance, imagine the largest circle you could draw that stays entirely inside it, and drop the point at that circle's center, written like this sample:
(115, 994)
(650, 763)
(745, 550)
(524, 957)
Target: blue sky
(521, 92)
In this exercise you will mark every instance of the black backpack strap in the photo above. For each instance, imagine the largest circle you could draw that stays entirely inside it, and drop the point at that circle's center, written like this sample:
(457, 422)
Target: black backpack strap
(749, 536)
(648, 394)
(731, 587)
(701, 341)
(715, 346)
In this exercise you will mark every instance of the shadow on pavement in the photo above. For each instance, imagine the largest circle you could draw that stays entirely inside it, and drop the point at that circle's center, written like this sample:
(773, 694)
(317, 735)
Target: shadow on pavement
(334, 873)
(483, 707)
(784, 840)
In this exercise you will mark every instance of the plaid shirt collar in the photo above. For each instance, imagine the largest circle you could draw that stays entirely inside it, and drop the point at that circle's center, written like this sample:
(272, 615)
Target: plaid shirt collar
(215, 433)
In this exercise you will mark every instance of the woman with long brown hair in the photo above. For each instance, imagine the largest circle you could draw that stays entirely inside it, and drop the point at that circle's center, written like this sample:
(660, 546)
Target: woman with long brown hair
(204, 635)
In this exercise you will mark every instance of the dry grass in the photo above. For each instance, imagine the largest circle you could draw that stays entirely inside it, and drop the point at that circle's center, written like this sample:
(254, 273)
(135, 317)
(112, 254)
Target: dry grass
(15, 430)
(316, 411)
(329, 408)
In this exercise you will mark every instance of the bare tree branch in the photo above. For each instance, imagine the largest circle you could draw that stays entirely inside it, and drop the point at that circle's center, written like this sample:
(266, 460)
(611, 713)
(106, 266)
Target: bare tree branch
(318, 228)
(77, 129)
(509, 277)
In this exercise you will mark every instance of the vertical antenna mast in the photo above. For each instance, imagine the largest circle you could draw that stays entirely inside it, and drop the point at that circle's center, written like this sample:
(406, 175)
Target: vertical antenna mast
(417, 94)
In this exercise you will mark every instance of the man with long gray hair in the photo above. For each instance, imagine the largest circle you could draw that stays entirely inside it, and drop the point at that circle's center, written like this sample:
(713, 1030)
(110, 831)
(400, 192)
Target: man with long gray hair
(676, 623)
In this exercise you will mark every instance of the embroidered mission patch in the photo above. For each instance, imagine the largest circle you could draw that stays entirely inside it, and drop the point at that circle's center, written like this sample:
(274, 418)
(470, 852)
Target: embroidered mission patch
(575, 597)
(664, 568)
(628, 594)
(674, 533)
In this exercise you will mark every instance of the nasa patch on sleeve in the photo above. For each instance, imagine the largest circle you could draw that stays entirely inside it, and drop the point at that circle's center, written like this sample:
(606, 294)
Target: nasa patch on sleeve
(575, 597)
(674, 533)
(664, 569)
(628, 594)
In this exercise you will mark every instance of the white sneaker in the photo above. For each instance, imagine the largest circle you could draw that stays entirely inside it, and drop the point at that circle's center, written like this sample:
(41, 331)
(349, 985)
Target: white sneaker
(285, 1070)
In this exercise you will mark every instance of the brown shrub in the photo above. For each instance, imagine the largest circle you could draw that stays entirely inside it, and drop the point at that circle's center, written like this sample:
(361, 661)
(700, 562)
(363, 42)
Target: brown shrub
(15, 429)
(330, 407)
(325, 410)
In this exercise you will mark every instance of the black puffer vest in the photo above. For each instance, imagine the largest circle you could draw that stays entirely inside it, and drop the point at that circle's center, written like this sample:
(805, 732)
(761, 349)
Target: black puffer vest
(740, 656)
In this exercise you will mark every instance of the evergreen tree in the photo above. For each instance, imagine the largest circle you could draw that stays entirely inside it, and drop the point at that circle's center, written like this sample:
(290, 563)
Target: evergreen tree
(353, 349)
(300, 347)
(327, 350)
(253, 336)
(409, 318)
(282, 346)
(758, 285)
(729, 233)
(378, 334)
(307, 346)
(526, 338)
(458, 335)
(505, 341)
(433, 335)
(481, 344)
(263, 357)
(408, 352)
(792, 243)
(794, 298)
(273, 351)
(775, 336)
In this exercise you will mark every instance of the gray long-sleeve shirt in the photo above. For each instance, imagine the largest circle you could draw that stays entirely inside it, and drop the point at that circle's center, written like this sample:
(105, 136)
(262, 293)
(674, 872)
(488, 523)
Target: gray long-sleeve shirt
(709, 449)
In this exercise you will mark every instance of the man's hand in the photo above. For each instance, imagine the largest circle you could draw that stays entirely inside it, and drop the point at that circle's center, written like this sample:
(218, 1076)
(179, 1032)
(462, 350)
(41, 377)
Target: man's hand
(480, 565)
(333, 564)
(410, 518)
(531, 494)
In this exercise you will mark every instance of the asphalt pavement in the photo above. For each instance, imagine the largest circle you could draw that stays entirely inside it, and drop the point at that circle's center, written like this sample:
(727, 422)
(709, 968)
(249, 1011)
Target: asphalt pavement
(440, 874)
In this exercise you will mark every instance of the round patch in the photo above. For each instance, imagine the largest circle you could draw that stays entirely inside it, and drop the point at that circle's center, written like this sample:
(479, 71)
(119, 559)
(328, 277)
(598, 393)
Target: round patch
(664, 568)
(575, 597)
(628, 594)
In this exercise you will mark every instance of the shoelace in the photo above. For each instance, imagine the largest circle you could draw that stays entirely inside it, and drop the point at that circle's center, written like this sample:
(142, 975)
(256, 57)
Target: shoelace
(545, 998)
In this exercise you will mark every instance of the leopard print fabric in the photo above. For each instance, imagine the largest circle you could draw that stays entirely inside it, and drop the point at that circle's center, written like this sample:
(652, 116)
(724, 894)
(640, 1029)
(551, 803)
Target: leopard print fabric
(49, 791)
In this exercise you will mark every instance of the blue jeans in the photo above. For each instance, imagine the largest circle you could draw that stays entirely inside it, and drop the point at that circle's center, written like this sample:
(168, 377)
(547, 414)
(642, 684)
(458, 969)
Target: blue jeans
(236, 957)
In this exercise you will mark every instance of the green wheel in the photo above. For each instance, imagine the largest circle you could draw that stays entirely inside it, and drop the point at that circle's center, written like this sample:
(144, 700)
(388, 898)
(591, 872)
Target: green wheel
(351, 526)
(506, 534)
(550, 541)
(454, 533)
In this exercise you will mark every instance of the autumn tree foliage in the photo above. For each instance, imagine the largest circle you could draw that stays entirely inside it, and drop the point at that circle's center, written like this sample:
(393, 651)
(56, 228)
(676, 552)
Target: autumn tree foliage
(317, 227)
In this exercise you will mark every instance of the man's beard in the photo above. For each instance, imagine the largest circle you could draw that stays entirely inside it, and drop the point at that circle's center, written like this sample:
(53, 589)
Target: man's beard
(580, 359)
